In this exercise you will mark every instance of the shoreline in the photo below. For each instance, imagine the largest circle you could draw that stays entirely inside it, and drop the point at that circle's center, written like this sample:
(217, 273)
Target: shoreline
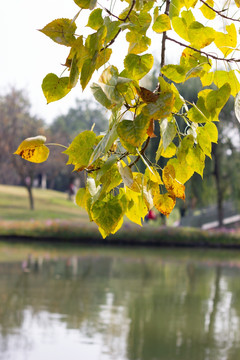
(147, 236)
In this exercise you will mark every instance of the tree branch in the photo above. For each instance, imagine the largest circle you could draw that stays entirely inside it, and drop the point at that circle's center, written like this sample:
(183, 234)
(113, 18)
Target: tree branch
(202, 52)
(141, 152)
(163, 49)
(164, 37)
(219, 12)
(123, 20)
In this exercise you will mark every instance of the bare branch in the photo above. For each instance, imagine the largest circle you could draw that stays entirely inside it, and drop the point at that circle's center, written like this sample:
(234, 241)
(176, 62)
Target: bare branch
(203, 52)
(219, 12)
(163, 51)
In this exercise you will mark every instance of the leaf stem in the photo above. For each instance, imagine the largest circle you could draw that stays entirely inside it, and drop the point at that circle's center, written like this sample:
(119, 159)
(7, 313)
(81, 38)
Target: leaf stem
(55, 144)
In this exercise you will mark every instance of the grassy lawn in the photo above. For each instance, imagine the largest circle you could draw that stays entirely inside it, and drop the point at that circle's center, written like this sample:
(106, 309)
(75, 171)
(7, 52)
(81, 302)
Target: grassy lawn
(57, 218)
(49, 204)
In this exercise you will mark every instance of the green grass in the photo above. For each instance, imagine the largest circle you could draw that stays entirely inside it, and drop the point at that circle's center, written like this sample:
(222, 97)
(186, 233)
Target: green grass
(49, 204)
(57, 218)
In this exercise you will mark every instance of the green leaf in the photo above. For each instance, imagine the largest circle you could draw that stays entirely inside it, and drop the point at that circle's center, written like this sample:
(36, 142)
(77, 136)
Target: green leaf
(55, 88)
(74, 73)
(105, 144)
(95, 41)
(138, 43)
(107, 214)
(168, 132)
(100, 96)
(161, 24)
(103, 57)
(174, 72)
(95, 20)
(216, 99)
(134, 132)
(78, 51)
(61, 31)
(110, 180)
(33, 149)
(112, 29)
(175, 7)
(86, 4)
(138, 66)
(126, 174)
(110, 82)
(87, 71)
(80, 150)
(162, 108)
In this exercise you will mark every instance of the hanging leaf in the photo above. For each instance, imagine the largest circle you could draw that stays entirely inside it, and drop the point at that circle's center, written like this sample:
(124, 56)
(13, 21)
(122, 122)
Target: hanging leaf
(95, 20)
(137, 209)
(33, 149)
(107, 214)
(147, 95)
(86, 4)
(55, 88)
(207, 12)
(174, 187)
(81, 149)
(164, 203)
(161, 24)
(134, 132)
(138, 66)
(61, 31)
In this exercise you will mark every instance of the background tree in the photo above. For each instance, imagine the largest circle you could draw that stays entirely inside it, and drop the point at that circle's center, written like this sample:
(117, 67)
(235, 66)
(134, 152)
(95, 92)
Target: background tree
(17, 123)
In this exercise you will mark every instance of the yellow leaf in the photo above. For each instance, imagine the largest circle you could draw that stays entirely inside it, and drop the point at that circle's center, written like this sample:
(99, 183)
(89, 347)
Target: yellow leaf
(164, 203)
(137, 208)
(183, 171)
(226, 42)
(237, 2)
(174, 187)
(207, 12)
(33, 149)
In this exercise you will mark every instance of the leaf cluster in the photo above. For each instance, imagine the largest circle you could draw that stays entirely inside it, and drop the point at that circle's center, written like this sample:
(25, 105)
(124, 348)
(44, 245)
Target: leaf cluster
(114, 186)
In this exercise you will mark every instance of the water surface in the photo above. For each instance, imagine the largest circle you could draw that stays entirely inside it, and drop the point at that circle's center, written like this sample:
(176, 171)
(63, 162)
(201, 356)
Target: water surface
(118, 304)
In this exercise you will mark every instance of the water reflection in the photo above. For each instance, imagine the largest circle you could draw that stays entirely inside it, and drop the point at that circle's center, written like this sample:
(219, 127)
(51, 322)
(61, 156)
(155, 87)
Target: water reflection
(120, 307)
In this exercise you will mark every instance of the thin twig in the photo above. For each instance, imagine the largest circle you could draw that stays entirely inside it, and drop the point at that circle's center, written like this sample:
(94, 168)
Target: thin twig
(163, 49)
(123, 20)
(141, 152)
(219, 12)
(202, 52)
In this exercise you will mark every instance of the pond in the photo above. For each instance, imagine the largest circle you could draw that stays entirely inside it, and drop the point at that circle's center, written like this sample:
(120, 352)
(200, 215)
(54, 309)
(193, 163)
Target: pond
(92, 303)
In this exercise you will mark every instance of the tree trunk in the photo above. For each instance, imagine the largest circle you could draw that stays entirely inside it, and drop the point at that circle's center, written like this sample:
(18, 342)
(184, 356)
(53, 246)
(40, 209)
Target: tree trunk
(217, 176)
(30, 195)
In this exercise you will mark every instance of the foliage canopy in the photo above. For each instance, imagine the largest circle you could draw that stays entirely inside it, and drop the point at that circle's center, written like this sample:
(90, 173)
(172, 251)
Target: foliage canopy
(114, 185)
